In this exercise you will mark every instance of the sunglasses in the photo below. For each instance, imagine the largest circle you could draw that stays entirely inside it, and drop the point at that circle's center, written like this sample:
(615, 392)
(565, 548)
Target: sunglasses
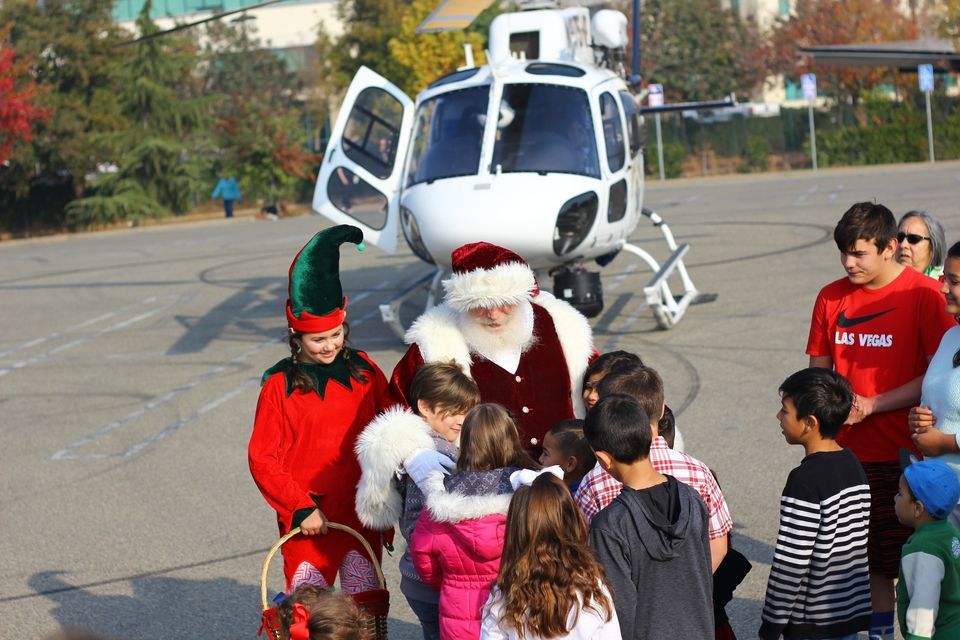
(912, 238)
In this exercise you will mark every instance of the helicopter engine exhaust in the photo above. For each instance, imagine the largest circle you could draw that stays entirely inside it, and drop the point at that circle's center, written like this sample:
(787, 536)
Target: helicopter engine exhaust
(580, 288)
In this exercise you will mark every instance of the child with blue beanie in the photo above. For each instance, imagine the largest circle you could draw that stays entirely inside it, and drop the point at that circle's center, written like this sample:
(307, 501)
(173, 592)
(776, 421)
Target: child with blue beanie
(928, 592)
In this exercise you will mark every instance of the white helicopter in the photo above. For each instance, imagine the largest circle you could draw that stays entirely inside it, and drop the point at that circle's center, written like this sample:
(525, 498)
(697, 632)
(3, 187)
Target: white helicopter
(539, 151)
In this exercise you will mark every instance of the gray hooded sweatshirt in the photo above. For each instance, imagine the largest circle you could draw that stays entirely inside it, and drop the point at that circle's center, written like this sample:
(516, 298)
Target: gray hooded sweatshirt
(655, 551)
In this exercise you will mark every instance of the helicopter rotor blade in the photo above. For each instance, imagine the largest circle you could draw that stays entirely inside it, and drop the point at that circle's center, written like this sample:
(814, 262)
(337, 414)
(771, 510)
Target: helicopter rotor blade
(452, 15)
(190, 25)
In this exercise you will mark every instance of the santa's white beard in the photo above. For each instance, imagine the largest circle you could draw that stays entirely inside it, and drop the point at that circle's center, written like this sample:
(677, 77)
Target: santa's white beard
(506, 342)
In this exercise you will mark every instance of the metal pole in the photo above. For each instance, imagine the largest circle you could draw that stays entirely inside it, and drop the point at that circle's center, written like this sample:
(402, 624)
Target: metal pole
(929, 128)
(659, 147)
(813, 137)
(635, 67)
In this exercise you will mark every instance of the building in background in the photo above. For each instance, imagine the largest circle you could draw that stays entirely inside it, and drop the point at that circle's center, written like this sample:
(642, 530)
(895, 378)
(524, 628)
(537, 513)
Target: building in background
(289, 27)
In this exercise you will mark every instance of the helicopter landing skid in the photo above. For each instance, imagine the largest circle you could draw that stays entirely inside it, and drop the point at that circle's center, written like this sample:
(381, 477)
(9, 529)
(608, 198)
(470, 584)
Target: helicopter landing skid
(390, 310)
(667, 308)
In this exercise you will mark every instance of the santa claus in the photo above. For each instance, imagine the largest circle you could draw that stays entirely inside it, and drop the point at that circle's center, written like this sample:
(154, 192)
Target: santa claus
(525, 349)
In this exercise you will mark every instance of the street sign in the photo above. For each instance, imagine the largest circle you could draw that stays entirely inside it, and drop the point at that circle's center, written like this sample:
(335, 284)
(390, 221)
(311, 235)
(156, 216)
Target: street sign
(925, 75)
(808, 82)
(655, 95)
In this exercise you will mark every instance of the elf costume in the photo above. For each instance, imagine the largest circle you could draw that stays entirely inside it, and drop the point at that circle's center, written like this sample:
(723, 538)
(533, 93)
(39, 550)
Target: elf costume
(301, 450)
(545, 384)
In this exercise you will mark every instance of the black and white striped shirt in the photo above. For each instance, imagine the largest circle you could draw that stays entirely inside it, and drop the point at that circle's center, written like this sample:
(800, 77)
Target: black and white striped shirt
(819, 585)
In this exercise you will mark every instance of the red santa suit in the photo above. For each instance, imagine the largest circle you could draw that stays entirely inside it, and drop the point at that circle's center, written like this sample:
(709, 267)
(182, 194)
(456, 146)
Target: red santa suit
(547, 383)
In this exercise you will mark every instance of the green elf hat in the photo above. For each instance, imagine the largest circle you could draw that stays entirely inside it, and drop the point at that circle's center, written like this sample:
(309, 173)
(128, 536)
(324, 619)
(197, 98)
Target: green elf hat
(316, 302)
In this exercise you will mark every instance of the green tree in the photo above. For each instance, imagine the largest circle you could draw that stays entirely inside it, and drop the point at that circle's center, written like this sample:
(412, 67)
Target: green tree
(697, 49)
(824, 22)
(430, 55)
(380, 34)
(258, 106)
(72, 59)
(157, 163)
(368, 27)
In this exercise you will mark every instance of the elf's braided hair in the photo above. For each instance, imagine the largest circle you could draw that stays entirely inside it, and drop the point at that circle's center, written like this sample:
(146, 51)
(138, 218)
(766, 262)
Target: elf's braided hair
(302, 381)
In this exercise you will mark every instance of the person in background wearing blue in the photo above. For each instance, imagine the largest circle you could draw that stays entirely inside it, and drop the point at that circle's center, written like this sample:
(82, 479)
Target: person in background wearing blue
(227, 189)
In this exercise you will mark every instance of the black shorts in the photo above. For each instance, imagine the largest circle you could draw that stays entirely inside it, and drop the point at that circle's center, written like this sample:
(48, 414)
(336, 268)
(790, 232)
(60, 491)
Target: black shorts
(887, 535)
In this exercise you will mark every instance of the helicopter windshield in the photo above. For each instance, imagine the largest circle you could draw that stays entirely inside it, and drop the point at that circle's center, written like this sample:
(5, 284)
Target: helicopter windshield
(448, 135)
(545, 128)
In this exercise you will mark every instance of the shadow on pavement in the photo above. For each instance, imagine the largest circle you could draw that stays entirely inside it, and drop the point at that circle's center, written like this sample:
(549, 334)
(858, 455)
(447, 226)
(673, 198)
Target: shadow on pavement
(166, 607)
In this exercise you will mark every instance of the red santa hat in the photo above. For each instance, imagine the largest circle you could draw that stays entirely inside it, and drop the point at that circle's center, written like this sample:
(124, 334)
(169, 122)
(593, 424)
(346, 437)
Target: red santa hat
(488, 276)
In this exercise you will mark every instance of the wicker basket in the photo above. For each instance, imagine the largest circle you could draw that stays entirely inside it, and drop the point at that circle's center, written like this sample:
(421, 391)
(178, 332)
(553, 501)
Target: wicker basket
(374, 604)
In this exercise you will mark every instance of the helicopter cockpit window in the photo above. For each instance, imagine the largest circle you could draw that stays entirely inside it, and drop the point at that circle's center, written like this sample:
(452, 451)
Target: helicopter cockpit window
(352, 195)
(638, 132)
(545, 129)
(612, 131)
(448, 135)
(370, 136)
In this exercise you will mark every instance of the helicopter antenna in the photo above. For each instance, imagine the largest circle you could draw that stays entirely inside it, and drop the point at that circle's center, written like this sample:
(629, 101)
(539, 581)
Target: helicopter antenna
(635, 66)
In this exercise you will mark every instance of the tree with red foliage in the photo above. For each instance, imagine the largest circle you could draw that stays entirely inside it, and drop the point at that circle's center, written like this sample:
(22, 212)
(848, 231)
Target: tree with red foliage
(826, 22)
(18, 111)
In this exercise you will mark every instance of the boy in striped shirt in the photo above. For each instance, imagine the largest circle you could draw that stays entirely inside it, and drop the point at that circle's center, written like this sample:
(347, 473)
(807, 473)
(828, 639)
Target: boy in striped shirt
(819, 585)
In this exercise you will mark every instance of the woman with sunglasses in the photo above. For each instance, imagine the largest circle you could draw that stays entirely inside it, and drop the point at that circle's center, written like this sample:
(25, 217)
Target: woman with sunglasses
(922, 243)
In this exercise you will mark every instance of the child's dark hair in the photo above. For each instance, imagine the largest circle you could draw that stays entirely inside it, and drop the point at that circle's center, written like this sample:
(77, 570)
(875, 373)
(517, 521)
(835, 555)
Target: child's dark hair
(568, 434)
(667, 427)
(821, 393)
(643, 384)
(607, 362)
(331, 616)
(865, 221)
(619, 425)
(490, 440)
(444, 387)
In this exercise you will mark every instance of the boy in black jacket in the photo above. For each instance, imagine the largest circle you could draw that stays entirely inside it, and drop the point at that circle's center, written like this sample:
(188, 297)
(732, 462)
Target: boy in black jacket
(652, 540)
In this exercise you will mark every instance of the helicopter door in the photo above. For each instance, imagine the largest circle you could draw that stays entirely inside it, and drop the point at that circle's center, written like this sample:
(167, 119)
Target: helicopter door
(618, 163)
(359, 180)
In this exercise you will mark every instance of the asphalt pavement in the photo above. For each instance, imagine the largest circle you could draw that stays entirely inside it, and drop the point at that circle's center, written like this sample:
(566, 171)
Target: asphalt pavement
(130, 362)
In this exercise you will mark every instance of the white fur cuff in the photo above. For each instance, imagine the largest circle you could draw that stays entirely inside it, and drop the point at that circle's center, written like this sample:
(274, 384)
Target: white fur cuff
(381, 449)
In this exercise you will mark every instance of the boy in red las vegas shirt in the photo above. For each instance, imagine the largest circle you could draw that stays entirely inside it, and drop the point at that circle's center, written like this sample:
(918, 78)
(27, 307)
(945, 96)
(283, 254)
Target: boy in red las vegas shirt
(878, 327)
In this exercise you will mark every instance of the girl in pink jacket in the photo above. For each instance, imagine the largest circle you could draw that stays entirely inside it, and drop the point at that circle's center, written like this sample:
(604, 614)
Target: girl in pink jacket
(458, 540)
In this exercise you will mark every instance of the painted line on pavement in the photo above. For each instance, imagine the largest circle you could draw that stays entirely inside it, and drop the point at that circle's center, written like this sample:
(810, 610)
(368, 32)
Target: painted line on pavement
(803, 197)
(75, 327)
(66, 452)
(97, 334)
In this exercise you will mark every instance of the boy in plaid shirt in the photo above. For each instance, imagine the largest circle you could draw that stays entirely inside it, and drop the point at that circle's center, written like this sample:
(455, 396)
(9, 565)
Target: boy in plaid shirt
(598, 488)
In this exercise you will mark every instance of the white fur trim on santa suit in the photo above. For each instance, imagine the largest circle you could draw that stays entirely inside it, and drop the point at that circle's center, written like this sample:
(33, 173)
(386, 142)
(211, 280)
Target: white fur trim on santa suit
(437, 334)
(576, 339)
(504, 284)
(381, 449)
(453, 506)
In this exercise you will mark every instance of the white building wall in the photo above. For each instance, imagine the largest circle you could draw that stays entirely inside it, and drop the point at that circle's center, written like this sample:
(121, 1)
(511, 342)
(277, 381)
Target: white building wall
(281, 26)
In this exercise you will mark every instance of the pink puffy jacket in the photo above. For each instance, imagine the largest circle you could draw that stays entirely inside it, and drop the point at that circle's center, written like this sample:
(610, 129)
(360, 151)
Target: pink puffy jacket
(456, 547)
